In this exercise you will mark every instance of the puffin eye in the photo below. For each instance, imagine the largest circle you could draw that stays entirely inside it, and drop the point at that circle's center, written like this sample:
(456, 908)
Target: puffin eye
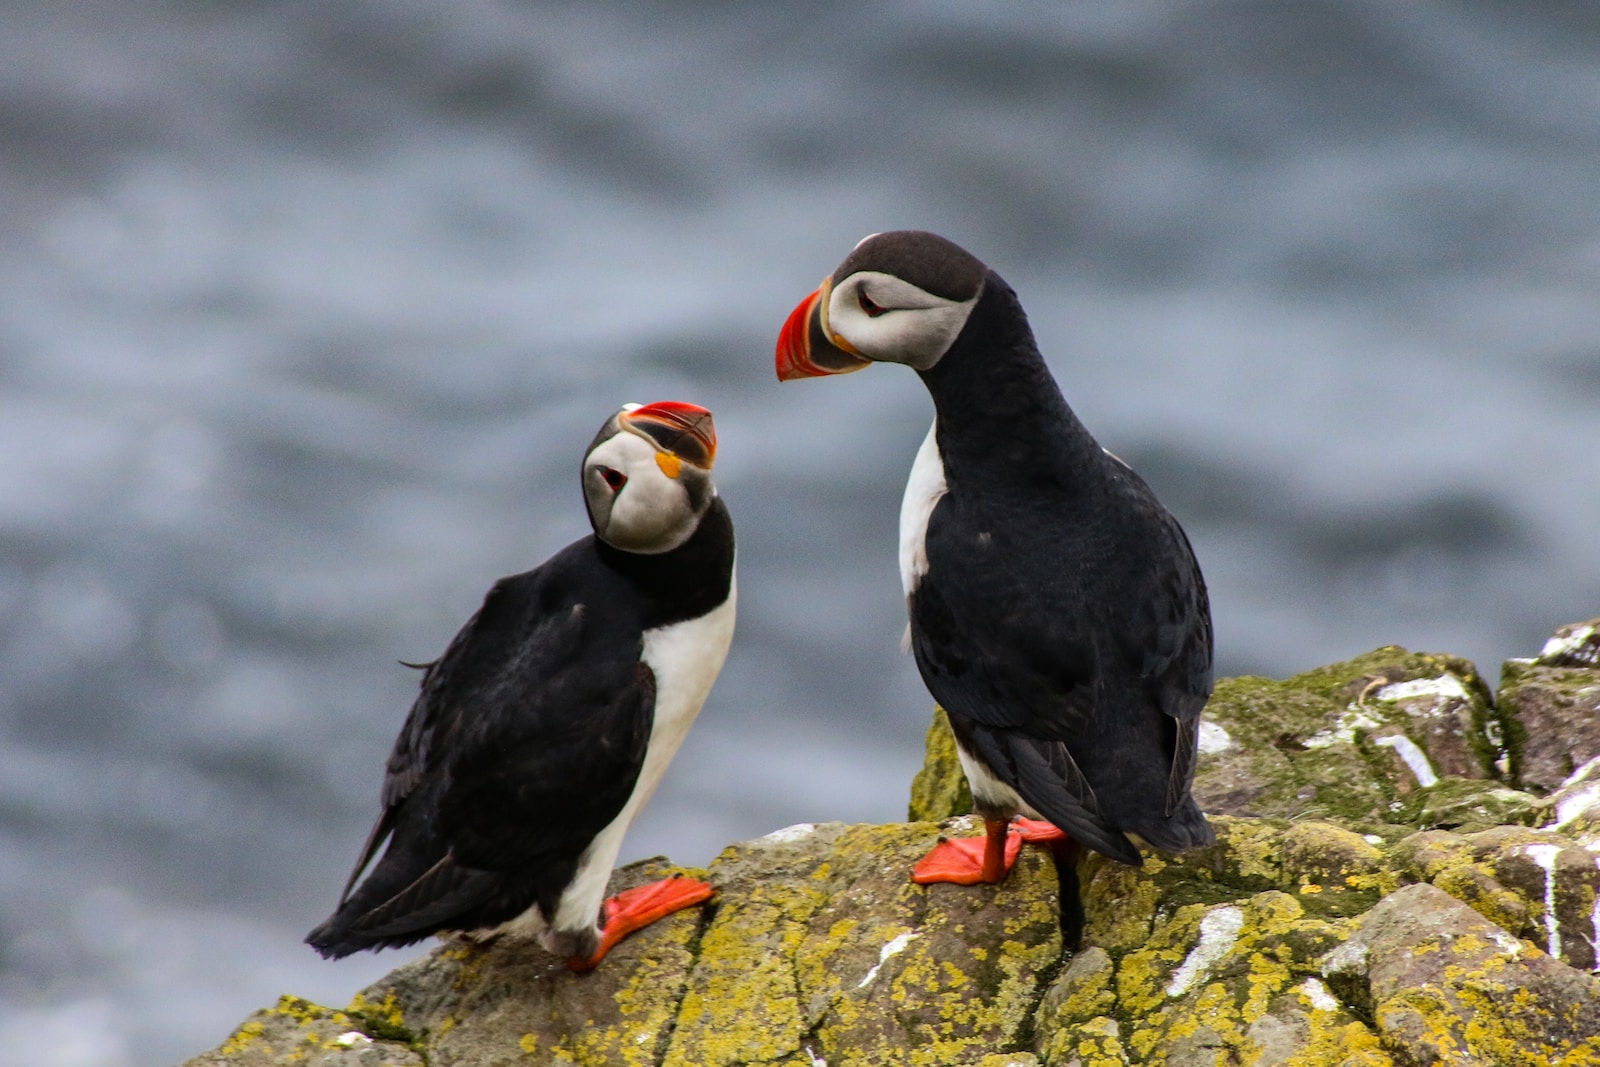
(871, 307)
(614, 478)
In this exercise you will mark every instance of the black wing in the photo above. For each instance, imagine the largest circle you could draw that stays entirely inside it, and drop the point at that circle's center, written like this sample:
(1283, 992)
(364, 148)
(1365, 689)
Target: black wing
(1088, 627)
(525, 741)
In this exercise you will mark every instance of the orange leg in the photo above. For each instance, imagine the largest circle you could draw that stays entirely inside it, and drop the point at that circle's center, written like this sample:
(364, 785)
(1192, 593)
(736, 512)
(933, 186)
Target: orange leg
(970, 860)
(636, 908)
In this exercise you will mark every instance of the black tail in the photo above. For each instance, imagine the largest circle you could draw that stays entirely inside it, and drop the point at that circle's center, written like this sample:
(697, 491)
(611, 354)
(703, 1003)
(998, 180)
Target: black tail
(1184, 829)
(389, 911)
(1044, 774)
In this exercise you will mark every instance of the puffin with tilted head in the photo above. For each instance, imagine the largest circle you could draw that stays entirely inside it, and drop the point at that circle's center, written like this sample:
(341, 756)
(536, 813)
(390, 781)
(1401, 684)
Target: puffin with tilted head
(549, 720)
(1057, 611)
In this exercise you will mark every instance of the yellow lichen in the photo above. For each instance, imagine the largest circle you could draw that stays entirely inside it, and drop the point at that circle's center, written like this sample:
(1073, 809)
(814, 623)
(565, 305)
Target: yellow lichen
(244, 1037)
(1097, 1042)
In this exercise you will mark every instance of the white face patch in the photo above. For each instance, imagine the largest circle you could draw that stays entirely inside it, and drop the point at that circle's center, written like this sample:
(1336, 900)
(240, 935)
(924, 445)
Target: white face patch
(650, 512)
(888, 319)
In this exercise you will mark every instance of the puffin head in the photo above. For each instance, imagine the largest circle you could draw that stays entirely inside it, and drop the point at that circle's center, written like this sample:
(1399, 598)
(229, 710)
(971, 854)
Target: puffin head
(647, 475)
(899, 297)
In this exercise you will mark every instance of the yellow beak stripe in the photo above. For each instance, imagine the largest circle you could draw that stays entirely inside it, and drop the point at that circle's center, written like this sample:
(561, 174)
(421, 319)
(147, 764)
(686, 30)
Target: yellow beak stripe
(670, 465)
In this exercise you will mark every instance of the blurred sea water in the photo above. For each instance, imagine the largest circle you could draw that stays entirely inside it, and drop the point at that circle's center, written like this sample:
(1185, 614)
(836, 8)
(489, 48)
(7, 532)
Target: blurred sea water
(307, 310)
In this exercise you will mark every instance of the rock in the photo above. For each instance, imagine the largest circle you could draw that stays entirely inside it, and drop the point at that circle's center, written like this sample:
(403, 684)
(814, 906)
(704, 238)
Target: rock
(1574, 809)
(1376, 921)
(297, 1031)
(1284, 943)
(1357, 742)
(1555, 700)
(1447, 986)
(940, 790)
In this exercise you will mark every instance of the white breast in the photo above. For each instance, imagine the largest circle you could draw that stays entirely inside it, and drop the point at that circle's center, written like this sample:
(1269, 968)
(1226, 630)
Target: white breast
(923, 490)
(685, 658)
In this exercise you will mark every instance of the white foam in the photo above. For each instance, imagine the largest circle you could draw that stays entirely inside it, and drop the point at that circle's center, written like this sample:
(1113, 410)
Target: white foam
(1415, 758)
(1218, 932)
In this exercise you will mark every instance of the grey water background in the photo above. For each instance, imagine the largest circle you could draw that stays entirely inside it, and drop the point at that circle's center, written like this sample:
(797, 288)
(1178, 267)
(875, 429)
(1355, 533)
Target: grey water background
(307, 309)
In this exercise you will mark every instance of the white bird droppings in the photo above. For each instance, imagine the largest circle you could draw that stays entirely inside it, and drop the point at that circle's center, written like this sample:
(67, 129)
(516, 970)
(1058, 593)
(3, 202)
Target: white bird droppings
(1583, 773)
(1559, 647)
(1218, 932)
(1545, 856)
(1318, 995)
(1576, 803)
(893, 948)
(791, 833)
(1594, 920)
(1446, 685)
(1343, 731)
(1214, 739)
(1508, 944)
(1348, 958)
(1415, 758)
(816, 1061)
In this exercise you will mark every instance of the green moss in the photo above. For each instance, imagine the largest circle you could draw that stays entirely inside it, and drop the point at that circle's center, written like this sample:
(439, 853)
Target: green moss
(1346, 681)
(383, 1020)
(1467, 803)
(940, 790)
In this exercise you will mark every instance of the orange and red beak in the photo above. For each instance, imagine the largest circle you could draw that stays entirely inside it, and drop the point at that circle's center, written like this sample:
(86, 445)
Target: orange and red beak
(806, 347)
(684, 431)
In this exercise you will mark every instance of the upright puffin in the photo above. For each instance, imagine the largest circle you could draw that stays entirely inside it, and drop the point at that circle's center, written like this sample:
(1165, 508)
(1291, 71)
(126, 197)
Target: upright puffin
(1057, 611)
(550, 718)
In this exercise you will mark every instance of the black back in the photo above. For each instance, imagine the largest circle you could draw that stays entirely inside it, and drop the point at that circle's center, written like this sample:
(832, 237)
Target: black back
(1063, 621)
(526, 740)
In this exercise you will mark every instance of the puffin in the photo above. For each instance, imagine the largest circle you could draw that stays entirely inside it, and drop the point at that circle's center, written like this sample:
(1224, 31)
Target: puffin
(548, 722)
(1057, 612)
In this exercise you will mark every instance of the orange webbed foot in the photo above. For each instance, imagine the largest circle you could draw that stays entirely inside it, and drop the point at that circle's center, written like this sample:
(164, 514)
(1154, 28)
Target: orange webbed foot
(636, 908)
(970, 860)
(1038, 832)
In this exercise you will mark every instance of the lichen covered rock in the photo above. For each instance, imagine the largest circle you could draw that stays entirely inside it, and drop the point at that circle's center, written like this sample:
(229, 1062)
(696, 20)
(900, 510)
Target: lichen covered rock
(1554, 698)
(1370, 740)
(297, 1031)
(940, 790)
(1293, 943)
(1347, 914)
